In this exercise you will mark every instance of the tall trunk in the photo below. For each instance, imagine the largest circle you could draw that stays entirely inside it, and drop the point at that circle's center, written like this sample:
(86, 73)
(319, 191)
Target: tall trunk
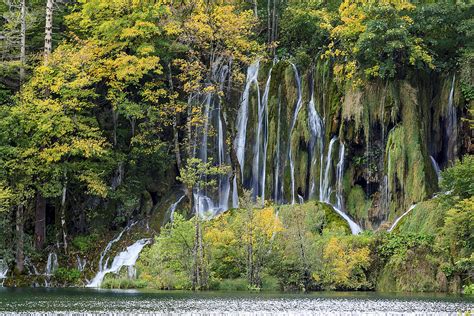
(63, 214)
(175, 124)
(255, 8)
(196, 269)
(22, 40)
(114, 121)
(40, 221)
(269, 21)
(48, 31)
(274, 22)
(20, 236)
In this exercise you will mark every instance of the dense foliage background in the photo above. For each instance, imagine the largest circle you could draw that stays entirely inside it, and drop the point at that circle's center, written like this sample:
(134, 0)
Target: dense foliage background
(97, 133)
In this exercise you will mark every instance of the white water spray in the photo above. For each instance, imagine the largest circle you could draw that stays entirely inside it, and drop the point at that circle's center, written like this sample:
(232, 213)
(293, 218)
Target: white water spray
(243, 114)
(126, 258)
(3, 272)
(298, 106)
(398, 219)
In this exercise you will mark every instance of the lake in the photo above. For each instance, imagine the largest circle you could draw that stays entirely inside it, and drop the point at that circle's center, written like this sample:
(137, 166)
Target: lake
(89, 301)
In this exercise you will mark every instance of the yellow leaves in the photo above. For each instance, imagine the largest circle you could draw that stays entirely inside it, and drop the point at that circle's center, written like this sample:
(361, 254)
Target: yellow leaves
(94, 183)
(172, 28)
(141, 29)
(343, 259)
(266, 222)
(87, 147)
(131, 68)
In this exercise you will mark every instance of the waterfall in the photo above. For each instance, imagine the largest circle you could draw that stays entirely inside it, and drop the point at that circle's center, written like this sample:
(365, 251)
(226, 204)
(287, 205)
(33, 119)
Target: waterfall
(3, 272)
(235, 193)
(110, 244)
(451, 125)
(52, 264)
(436, 167)
(173, 207)
(339, 177)
(205, 202)
(276, 189)
(316, 128)
(398, 219)
(298, 106)
(243, 113)
(126, 258)
(325, 189)
(81, 263)
(261, 144)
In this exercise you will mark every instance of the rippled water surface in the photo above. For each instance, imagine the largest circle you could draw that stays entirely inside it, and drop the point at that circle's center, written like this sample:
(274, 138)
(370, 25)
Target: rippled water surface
(88, 301)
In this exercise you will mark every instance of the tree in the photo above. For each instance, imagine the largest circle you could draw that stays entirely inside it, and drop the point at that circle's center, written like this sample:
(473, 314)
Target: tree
(195, 176)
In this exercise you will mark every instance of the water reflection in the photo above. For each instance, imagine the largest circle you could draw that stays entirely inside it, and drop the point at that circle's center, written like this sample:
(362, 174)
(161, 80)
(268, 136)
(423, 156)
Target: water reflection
(86, 301)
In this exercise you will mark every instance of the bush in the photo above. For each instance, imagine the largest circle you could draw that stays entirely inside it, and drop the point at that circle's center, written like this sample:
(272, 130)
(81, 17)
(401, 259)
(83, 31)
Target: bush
(84, 243)
(123, 283)
(239, 284)
(67, 276)
(468, 289)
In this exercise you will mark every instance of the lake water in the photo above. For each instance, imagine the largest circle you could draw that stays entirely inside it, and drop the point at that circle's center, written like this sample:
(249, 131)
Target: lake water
(88, 301)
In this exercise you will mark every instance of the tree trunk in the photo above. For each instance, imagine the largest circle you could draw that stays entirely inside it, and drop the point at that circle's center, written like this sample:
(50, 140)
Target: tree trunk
(63, 215)
(114, 121)
(22, 40)
(48, 31)
(175, 125)
(196, 270)
(40, 221)
(20, 235)
(269, 22)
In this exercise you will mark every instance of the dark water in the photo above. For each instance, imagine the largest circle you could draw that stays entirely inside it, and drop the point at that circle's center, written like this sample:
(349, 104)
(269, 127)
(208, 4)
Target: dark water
(89, 301)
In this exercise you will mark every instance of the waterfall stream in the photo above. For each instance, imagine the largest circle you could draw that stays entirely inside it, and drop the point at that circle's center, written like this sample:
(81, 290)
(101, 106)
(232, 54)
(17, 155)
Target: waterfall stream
(110, 244)
(398, 219)
(436, 167)
(325, 189)
(451, 125)
(126, 258)
(52, 264)
(316, 150)
(243, 114)
(173, 207)
(3, 272)
(298, 106)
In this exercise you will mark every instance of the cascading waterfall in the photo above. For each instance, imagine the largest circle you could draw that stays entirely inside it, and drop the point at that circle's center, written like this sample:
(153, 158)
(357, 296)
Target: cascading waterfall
(398, 219)
(110, 244)
(316, 127)
(51, 264)
(51, 267)
(3, 272)
(277, 190)
(173, 207)
(298, 106)
(436, 167)
(243, 114)
(260, 145)
(126, 258)
(325, 189)
(204, 203)
(339, 177)
(451, 125)
(81, 263)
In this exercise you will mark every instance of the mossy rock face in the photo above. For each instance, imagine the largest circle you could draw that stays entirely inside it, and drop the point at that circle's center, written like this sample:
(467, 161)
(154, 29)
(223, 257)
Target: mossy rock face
(416, 271)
